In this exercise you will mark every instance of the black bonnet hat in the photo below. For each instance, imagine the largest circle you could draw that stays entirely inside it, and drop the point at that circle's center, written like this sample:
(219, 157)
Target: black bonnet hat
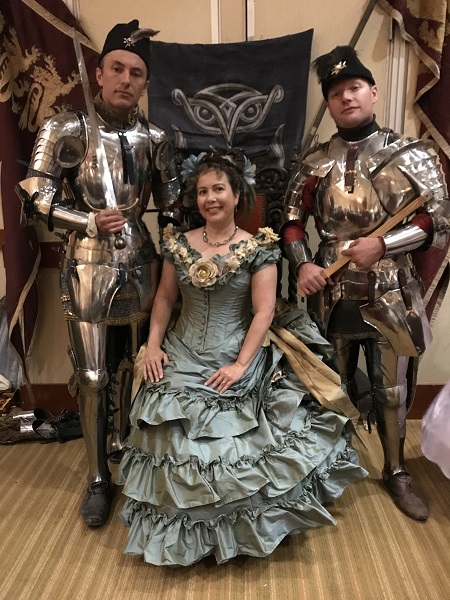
(340, 63)
(128, 36)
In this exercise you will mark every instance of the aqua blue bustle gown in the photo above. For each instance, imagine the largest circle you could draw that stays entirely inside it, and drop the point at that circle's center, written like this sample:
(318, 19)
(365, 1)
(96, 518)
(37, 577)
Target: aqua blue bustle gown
(227, 474)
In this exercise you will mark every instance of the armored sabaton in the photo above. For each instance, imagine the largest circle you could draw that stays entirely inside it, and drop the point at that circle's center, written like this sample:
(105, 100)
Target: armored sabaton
(101, 284)
(351, 188)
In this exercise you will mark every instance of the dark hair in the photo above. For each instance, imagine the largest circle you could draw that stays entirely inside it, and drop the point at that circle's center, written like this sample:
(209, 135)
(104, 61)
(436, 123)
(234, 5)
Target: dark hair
(220, 163)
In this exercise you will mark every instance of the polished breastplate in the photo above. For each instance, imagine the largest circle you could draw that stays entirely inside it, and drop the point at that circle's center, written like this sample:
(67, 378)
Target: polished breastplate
(347, 205)
(128, 157)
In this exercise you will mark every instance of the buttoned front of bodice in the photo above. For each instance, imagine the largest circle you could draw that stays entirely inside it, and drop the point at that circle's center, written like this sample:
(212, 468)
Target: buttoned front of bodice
(210, 318)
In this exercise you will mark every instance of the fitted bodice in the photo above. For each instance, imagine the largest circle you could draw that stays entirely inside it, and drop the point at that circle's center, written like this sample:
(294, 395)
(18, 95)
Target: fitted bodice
(213, 317)
(216, 292)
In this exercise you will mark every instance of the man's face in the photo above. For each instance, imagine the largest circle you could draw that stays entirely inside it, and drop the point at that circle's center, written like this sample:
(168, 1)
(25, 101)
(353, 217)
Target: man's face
(123, 80)
(350, 102)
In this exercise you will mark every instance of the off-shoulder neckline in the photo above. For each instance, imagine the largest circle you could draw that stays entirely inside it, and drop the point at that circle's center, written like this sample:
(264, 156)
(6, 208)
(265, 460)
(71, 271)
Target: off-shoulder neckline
(231, 247)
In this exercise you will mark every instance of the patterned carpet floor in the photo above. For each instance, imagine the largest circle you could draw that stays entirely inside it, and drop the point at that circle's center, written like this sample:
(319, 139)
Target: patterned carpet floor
(374, 552)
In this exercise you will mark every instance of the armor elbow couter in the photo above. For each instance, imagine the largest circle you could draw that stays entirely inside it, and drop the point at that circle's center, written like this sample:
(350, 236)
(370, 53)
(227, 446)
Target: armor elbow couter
(36, 194)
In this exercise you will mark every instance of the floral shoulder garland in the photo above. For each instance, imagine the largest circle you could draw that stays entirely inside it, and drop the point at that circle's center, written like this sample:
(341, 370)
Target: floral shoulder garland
(205, 272)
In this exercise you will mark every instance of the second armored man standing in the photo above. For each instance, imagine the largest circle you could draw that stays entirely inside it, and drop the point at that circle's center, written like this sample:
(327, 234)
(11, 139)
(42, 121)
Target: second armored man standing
(351, 185)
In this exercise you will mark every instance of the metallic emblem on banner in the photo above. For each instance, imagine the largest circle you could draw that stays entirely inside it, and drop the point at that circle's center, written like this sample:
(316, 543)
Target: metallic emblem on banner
(228, 109)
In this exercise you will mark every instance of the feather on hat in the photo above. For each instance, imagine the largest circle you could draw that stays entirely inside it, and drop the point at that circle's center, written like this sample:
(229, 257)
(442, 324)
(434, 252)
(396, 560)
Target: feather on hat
(341, 63)
(128, 36)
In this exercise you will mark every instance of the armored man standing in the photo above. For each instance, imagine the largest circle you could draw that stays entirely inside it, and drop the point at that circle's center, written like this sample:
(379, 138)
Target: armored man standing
(352, 185)
(110, 160)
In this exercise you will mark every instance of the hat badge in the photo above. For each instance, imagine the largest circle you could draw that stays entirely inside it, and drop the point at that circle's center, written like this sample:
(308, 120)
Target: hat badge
(128, 42)
(338, 67)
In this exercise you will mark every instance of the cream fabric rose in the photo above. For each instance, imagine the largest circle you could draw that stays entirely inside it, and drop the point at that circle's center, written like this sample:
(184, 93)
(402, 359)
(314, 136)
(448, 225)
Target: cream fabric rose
(269, 236)
(232, 263)
(203, 273)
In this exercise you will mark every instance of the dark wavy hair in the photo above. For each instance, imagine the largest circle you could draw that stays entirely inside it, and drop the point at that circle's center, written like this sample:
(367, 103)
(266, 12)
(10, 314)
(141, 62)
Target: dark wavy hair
(231, 163)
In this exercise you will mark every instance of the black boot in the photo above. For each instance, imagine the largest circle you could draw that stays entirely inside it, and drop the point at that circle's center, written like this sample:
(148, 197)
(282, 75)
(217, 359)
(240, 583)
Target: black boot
(405, 496)
(96, 503)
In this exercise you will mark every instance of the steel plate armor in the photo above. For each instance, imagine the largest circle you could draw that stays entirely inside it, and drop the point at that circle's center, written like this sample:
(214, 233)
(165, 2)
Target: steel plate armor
(350, 188)
(376, 190)
(102, 283)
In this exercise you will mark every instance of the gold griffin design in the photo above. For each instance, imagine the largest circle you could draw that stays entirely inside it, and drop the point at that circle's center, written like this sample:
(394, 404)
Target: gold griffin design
(31, 80)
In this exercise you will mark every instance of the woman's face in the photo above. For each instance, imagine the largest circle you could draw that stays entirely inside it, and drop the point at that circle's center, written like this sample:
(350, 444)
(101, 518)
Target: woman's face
(215, 198)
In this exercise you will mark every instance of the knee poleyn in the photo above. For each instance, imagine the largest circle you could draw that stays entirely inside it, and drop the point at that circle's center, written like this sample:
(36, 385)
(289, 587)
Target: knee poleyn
(93, 380)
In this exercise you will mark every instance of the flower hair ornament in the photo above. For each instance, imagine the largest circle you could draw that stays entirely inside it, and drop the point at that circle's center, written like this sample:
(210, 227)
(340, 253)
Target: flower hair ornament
(235, 159)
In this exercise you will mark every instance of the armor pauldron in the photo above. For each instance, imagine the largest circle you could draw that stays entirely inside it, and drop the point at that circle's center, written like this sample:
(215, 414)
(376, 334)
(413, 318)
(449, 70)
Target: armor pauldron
(165, 193)
(392, 187)
(439, 211)
(315, 164)
(167, 190)
(52, 130)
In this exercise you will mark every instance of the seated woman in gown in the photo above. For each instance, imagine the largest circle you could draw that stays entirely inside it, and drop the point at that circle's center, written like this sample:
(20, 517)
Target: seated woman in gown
(229, 452)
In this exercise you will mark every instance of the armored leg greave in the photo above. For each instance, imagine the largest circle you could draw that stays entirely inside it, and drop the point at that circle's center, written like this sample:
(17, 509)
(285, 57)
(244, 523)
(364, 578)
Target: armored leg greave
(128, 339)
(387, 374)
(390, 413)
(121, 384)
(88, 344)
(93, 406)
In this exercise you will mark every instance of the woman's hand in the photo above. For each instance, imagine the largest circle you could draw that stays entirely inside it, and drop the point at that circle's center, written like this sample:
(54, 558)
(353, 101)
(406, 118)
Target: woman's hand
(152, 368)
(222, 379)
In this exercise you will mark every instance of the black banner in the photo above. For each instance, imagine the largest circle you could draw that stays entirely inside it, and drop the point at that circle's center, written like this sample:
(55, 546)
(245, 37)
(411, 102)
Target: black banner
(249, 95)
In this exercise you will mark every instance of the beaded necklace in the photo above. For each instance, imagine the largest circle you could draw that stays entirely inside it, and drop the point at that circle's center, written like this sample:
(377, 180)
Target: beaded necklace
(217, 244)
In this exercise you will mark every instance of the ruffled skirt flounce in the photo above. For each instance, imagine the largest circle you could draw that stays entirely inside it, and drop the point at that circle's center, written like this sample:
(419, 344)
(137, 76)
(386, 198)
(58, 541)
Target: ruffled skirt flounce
(233, 474)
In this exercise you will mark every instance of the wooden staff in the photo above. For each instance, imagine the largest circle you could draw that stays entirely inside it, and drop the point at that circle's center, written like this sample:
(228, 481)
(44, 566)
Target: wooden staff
(380, 231)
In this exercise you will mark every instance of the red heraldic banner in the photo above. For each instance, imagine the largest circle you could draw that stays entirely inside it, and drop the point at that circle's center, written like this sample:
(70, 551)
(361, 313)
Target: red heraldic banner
(427, 26)
(38, 77)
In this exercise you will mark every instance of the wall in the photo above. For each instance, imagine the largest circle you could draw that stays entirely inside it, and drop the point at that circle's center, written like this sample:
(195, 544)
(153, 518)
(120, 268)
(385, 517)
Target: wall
(205, 21)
